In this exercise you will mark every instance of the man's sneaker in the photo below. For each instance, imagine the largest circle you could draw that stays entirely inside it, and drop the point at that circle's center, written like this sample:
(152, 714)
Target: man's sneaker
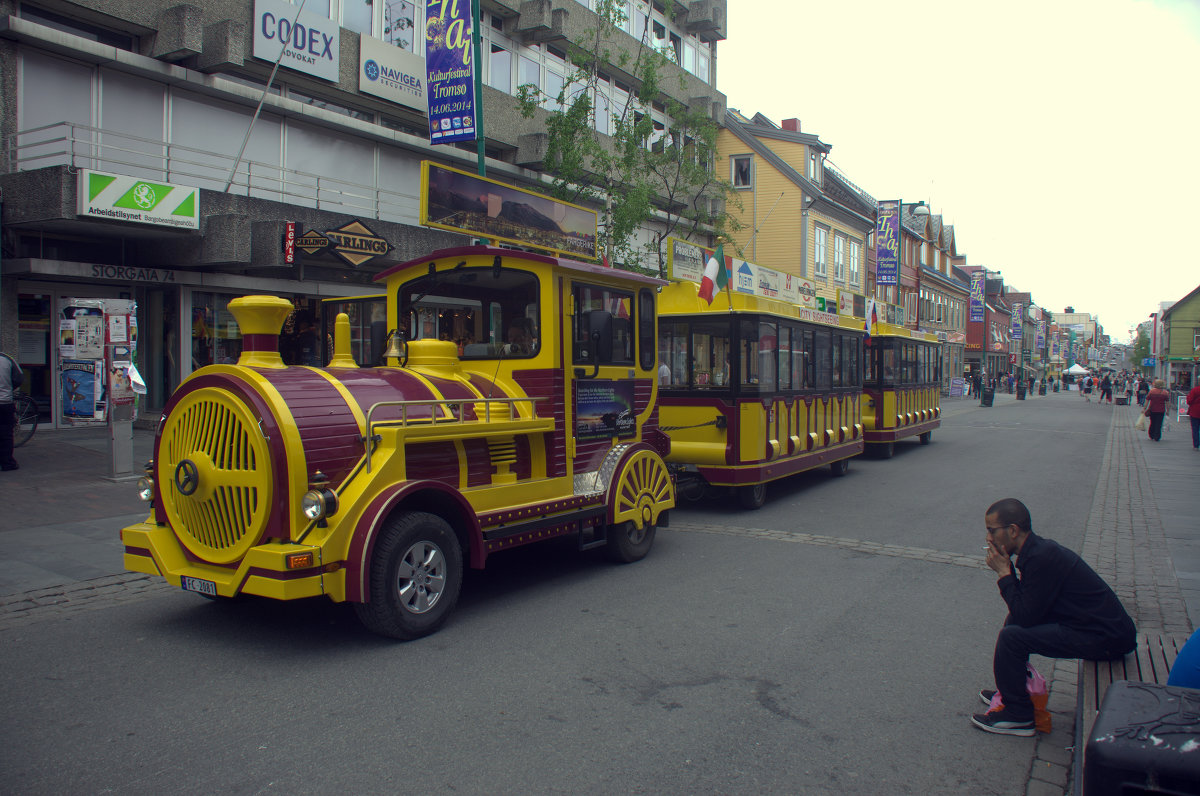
(1002, 722)
(985, 696)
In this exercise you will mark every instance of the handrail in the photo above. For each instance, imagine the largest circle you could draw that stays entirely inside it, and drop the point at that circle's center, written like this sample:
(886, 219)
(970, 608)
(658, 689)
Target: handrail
(84, 146)
(453, 409)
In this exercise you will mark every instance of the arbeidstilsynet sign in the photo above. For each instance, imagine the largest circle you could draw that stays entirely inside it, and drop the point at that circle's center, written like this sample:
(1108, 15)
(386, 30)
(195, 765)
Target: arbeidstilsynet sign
(449, 71)
(122, 198)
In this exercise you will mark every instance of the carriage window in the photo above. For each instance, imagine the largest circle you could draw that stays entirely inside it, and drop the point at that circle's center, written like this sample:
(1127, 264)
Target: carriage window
(824, 359)
(673, 354)
(767, 343)
(785, 357)
(850, 359)
(909, 363)
(710, 356)
(838, 369)
(809, 364)
(887, 354)
(645, 320)
(869, 363)
(486, 312)
(619, 305)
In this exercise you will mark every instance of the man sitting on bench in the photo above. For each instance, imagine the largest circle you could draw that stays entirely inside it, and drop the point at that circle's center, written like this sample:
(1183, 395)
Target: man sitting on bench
(1058, 607)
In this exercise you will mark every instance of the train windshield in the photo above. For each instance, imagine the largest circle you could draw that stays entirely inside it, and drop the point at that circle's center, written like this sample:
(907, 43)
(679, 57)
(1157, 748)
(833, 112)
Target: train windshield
(486, 312)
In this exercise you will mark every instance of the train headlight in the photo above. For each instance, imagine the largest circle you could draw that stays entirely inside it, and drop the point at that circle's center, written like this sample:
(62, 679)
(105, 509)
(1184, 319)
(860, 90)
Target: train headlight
(145, 488)
(317, 504)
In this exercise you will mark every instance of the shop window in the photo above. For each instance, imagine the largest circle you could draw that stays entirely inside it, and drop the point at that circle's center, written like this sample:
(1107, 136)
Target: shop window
(216, 337)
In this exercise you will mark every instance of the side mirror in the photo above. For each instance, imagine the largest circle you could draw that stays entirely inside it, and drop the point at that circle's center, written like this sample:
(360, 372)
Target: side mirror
(600, 336)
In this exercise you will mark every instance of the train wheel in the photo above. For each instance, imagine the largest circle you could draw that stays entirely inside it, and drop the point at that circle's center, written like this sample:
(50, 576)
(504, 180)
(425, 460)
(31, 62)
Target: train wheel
(839, 467)
(639, 495)
(752, 497)
(926, 437)
(884, 450)
(415, 576)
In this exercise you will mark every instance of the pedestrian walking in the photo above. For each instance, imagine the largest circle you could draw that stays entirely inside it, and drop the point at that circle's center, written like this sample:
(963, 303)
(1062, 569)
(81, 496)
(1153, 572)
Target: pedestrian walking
(1193, 405)
(11, 377)
(1058, 607)
(1087, 388)
(1142, 389)
(1156, 408)
(1106, 389)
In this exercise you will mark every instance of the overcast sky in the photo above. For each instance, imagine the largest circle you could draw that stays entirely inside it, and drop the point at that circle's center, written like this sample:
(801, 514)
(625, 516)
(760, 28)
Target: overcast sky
(1059, 137)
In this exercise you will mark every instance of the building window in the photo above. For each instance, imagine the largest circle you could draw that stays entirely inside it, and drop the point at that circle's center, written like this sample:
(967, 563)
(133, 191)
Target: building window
(855, 257)
(741, 167)
(500, 69)
(121, 41)
(839, 258)
(820, 236)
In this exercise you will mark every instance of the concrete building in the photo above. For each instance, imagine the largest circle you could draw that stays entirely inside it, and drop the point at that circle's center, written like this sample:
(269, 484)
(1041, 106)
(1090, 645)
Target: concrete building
(183, 97)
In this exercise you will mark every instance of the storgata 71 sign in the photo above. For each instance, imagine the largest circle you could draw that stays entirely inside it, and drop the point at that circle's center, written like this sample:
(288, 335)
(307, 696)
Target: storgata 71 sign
(122, 198)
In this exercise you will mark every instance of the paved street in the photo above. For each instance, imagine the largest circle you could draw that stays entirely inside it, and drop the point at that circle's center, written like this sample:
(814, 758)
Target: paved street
(831, 642)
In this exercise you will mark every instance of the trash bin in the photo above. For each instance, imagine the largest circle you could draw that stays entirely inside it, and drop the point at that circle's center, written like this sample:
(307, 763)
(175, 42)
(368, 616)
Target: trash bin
(987, 396)
(1021, 391)
(1142, 741)
(1042, 389)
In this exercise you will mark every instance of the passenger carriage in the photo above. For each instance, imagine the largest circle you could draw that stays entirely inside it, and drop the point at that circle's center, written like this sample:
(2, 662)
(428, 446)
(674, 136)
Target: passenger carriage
(754, 389)
(902, 390)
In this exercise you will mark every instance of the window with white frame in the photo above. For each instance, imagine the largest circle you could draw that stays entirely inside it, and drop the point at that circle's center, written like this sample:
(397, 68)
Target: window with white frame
(820, 253)
(741, 169)
(855, 258)
(839, 258)
(1196, 339)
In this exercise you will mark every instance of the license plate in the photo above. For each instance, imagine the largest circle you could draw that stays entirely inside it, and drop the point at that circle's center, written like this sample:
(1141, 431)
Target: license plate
(201, 586)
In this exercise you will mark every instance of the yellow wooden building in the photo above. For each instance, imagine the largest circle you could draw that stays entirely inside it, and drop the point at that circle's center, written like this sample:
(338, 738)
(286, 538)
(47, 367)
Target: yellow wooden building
(798, 215)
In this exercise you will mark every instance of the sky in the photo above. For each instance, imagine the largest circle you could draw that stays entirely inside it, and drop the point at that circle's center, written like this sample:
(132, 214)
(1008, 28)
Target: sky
(1061, 138)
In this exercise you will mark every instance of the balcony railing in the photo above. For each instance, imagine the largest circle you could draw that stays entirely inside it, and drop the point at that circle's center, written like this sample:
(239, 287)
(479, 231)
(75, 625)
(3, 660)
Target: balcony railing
(83, 147)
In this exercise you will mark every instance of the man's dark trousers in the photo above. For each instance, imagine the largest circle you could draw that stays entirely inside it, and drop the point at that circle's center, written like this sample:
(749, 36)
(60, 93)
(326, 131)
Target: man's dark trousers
(1015, 644)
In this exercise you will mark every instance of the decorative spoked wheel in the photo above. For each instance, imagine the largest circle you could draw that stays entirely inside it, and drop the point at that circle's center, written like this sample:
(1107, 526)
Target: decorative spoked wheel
(640, 493)
(415, 577)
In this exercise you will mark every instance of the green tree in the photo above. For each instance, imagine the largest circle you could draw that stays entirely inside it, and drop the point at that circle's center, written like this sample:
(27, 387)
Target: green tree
(636, 173)
(1141, 348)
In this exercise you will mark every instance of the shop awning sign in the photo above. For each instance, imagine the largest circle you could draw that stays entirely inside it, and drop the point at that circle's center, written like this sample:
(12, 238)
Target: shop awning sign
(353, 243)
(121, 198)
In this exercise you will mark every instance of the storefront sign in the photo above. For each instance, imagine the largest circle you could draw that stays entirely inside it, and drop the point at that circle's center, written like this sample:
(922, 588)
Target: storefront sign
(389, 72)
(887, 243)
(449, 75)
(289, 242)
(976, 306)
(310, 43)
(685, 261)
(122, 198)
(354, 243)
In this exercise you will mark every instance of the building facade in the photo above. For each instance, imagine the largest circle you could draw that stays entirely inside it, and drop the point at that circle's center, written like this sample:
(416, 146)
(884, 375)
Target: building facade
(187, 97)
(1181, 345)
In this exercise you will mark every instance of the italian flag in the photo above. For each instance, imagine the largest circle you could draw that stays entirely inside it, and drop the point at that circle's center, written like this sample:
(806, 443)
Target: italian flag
(716, 275)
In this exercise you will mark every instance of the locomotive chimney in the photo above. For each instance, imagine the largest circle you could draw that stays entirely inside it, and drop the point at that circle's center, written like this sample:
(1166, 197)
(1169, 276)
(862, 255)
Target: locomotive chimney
(260, 318)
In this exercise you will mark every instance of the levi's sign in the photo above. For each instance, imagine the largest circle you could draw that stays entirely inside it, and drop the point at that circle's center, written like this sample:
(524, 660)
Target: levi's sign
(122, 198)
(354, 243)
(310, 42)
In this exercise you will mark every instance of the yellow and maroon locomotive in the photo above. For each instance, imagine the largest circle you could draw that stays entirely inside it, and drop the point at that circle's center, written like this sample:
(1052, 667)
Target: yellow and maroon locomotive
(517, 403)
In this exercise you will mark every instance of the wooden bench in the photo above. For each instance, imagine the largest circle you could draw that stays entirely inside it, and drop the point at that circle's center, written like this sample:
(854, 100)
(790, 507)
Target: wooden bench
(1150, 663)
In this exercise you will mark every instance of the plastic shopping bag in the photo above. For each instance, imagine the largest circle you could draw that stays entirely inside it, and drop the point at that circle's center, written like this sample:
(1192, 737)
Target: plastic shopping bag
(1039, 694)
(1142, 423)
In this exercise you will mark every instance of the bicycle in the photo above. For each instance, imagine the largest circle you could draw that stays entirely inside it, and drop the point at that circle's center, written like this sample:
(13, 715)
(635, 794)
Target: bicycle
(25, 419)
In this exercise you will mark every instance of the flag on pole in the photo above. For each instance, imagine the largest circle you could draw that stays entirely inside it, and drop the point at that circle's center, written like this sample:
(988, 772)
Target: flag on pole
(872, 318)
(715, 275)
(604, 259)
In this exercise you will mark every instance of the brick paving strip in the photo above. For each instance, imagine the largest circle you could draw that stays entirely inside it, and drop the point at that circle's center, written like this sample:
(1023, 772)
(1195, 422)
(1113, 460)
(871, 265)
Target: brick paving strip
(56, 602)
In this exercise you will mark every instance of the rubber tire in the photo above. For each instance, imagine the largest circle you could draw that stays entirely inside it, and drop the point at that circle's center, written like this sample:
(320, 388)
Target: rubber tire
(627, 544)
(926, 438)
(839, 467)
(753, 496)
(386, 613)
(885, 450)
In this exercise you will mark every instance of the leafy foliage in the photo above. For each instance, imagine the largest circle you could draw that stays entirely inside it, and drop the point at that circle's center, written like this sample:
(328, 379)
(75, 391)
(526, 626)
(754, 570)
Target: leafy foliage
(636, 173)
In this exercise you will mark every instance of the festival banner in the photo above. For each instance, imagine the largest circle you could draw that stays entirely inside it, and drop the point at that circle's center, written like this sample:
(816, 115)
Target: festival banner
(1039, 341)
(887, 243)
(977, 286)
(449, 75)
(1017, 309)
